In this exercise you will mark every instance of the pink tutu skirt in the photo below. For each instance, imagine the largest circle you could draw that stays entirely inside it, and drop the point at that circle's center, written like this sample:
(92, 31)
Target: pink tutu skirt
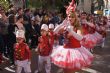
(72, 58)
(98, 36)
(89, 41)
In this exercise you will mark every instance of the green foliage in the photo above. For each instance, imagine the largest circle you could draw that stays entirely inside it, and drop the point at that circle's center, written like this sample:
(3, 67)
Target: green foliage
(35, 3)
(100, 5)
(48, 3)
(4, 3)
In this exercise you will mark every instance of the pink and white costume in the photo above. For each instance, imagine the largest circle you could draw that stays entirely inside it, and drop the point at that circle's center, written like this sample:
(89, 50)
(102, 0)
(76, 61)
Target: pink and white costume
(90, 40)
(72, 55)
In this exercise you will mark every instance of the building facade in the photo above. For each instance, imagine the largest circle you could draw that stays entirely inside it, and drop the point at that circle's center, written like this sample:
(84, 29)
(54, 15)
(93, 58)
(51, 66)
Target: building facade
(84, 5)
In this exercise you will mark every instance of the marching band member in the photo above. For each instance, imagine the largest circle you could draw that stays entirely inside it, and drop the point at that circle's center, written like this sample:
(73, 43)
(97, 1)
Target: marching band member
(51, 34)
(44, 50)
(22, 53)
(89, 40)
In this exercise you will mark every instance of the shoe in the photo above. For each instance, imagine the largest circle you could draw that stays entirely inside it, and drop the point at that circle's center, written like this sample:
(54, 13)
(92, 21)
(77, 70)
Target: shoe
(91, 50)
(37, 71)
(60, 71)
(6, 58)
(12, 66)
(1, 69)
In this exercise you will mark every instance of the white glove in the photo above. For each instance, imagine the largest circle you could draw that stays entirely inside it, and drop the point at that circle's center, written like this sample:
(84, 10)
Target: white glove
(15, 62)
(62, 25)
(36, 50)
(69, 29)
(57, 29)
(75, 35)
(84, 22)
(29, 62)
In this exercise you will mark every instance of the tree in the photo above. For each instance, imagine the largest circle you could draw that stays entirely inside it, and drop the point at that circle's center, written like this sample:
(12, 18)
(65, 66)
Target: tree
(4, 3)
(100, 4)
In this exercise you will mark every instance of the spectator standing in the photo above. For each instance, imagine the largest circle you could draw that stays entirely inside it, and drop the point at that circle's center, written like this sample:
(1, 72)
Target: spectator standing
(11, 37)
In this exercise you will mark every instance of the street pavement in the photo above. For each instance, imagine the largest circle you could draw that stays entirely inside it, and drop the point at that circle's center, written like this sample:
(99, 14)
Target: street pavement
(101, 62)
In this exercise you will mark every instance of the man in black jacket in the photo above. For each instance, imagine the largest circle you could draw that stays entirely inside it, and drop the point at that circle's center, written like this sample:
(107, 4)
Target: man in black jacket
(1, 47)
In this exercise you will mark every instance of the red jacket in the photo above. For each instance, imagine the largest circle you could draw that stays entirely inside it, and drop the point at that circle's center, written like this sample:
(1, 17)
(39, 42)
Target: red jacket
(44, 47)
(51, 38)
(22, 51)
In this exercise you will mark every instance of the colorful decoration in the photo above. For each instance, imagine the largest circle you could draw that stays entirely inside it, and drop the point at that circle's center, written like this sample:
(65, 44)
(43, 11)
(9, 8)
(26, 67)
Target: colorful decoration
(71, 7)
(18, 54)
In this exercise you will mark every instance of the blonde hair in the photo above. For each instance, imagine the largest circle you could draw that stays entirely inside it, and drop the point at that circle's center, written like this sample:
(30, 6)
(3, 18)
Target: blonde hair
(76, 23)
